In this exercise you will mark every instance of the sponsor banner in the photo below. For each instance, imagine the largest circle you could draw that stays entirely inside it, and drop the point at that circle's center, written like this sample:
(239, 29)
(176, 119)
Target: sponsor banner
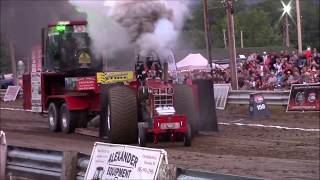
(86, 83)
(36, 92)
(221, 95)
(36, 57)
(2, 138)
(114, 161)
(11, 93)
(114, 77)
(81, 83)
(304, 97)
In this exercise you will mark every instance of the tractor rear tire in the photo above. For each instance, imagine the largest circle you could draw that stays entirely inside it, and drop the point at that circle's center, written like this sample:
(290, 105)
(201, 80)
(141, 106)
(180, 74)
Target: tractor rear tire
(68, 119)
(123, 117)
(184, 102)
(53, 117)
(187, 137)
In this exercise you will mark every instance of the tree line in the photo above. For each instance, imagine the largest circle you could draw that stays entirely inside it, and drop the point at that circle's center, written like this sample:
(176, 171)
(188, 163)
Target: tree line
(260, 23)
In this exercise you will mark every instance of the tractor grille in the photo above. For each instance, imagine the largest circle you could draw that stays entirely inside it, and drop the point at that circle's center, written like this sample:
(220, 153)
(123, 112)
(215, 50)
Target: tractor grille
(163, 101)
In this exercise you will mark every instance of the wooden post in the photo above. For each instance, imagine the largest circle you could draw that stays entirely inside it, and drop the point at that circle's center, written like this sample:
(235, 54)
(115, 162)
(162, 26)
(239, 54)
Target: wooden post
(3, 155)
(69, 165)
(207, 35)
(232, 45)
(299, 26)
(241, 39)
(13, 63)
(287, 31)
(224, 38)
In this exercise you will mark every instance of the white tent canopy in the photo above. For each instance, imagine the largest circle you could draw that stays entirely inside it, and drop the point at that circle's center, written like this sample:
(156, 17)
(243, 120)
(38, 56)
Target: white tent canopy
(192, 62)
(197, 62)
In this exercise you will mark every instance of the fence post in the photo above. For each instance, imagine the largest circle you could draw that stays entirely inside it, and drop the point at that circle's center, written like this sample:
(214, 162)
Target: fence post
(69, 165)
(3, 155)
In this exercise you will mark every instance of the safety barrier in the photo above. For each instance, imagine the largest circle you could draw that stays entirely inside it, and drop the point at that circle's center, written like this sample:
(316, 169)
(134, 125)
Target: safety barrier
(49, 164)
(3, 92)
(271, 97)
(44, 164)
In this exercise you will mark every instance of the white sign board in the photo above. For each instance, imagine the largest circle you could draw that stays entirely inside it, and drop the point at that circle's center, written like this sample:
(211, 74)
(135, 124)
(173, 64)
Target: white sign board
(221, 95)
(11, 93)
(114, 161)
(36, 92)
(3, 138)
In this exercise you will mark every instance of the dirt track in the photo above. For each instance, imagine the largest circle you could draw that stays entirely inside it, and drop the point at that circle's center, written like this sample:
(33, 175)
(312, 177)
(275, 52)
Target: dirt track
(242, 150)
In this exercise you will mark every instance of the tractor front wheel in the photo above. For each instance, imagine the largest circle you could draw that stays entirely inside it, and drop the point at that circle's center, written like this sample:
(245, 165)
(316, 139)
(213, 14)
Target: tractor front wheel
(53, 117)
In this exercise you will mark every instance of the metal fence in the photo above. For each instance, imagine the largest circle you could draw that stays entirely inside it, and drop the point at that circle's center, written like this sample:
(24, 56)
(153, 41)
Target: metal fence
(48, 164)
(3, 92)
(26, 162)
(271, 97)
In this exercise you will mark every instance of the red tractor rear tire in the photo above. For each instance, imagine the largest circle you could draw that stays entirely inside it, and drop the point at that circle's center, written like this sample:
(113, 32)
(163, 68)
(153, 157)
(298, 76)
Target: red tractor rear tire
(122, 103)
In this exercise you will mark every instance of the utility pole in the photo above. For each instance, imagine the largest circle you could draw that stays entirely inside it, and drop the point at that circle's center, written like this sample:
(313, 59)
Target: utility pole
(241, 37)
(224, 38)
(208, 114)
(232, 45)
(299, 26)
(287, 31)
(284, 34)
(13, 62)
(207, 36)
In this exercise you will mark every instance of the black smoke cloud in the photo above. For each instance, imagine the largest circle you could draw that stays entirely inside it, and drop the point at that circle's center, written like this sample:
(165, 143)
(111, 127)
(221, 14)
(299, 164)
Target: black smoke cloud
(145, 26)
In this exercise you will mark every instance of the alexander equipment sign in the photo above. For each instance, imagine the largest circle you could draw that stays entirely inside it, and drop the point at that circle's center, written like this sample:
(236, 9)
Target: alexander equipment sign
(304, 97)
(113, 161)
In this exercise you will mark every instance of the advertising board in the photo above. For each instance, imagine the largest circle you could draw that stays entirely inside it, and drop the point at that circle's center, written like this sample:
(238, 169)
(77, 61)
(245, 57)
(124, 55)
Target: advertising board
(11, 93)
(258, 106)
(114, 161)
(81, 83)
(221, 95)
(36, 92)
(304, 97)
(114, 77)
(36, 56)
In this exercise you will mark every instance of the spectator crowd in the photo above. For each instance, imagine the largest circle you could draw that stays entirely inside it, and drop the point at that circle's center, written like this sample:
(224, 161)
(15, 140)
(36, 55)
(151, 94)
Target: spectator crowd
(273, 70)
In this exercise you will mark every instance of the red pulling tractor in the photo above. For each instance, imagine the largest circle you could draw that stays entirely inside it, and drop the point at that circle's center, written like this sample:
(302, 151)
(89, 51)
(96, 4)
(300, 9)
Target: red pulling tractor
(73, 89)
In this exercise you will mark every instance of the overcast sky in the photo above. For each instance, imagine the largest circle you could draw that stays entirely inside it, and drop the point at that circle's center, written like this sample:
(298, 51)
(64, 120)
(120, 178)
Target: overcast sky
(21, 21)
